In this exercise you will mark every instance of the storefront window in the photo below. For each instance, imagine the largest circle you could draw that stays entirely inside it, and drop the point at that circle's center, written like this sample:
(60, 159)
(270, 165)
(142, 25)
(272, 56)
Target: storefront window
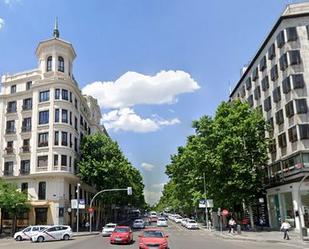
(274, 211)
(287, 208)
(305, 204)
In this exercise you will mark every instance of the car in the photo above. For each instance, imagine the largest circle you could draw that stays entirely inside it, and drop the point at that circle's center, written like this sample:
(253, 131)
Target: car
(161, 222)
(184, 221)
(58, 232)
(28, 232)
(191, 224)
(138, 223)
(153, 238)
(178, 219)
(108, 229)
(121, 235)
(153, 216)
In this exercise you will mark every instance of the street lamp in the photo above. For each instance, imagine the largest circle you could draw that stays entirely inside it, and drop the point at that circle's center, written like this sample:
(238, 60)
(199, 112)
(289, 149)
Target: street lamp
(77, 208)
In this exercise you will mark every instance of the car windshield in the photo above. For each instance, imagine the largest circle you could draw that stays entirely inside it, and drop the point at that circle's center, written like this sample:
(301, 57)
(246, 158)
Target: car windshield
(161, 219)
(192, 221)
(153, 234)
(138, 221)
(121, 230)
(110, 226)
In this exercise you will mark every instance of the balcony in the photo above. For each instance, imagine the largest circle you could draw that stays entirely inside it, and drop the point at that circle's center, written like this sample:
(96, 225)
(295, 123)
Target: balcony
(11, 110)
(25, 149)
(26, 129)
(43, 144)
(9, 151)
(8, 172)
(10, 131)
(27, 107)
(41, 168)
(24, 171)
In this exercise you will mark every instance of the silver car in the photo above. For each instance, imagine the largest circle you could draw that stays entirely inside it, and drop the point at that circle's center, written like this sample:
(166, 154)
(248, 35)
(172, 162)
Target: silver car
(108, 229)
(139, 223)
(28, 232)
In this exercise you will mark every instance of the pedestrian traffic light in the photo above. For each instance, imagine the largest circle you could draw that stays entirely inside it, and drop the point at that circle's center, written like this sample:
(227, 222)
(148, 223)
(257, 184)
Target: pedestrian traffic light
(129, 190)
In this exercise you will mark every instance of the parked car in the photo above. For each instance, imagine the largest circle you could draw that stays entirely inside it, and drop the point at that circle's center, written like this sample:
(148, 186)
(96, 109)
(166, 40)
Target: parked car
(108, 229)
(191, 224)
(28, 232)
(121, 235)
(161, 222)
(138, 223)
(153, 238)
(53, 233)
(184, 221)
(178, 219)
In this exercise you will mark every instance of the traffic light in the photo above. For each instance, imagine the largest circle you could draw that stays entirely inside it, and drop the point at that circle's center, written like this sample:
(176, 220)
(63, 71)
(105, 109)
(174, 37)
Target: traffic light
(129, 190)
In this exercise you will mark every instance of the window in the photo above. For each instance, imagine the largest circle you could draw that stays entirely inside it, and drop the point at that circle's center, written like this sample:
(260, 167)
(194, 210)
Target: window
(71, 143)
(75, 144)
(76, 104)
(274, 73)
(64, 138)
(10, 126)
(271, 52)
(243, 91)
(289, 109)
(250, 100)
(294, 57)
(279, 117)
(27, 104)
(8, 168)
(248, 83)
(43, 139)
(292, 132)
(265, 83)
(277, 94)
(28, 85)
(255, 74)
(24, 167)
(65, 94)
(272, 146)
(55, 160)
(301, 106)
(9, 147)
(44, 117)
(26, 125)
(89, 131)
(291, 34)
(71, 97)
(42, 161)
(49, 64)
(267, 104)
(298, 81)
(286, 85)
(263, 63)
(24, 187)
(57, 93)
(280, 39)
(282, 140)
(44, 96)
(26, 145)
(76, 124)
(13, 89)
(60, 64)
(63, 160)
(304, 131)
(42, 191)
(283, 62)
(56, 138)
(270, 123)
(70, 118)
(64, 116)
(11, 107)
(307, 28)
(57, 112)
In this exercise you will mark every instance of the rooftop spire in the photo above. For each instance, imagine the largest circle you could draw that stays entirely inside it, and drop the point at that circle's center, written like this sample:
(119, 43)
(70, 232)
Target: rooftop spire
(56, 31)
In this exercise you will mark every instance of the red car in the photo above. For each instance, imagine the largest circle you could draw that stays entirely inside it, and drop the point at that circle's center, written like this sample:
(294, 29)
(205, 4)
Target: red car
(121, 235)
(153, 238)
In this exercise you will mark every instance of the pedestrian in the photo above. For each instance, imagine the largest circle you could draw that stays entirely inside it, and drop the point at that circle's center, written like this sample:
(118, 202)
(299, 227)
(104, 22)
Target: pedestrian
(262, 223)
(285, 226)
(232, 224)
(87, 225)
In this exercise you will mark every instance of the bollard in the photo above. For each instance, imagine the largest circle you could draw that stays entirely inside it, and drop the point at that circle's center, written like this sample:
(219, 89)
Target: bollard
(238, 229)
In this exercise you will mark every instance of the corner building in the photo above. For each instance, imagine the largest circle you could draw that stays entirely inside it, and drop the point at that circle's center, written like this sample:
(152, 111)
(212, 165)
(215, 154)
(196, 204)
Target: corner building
(277, 82)
(43, 118)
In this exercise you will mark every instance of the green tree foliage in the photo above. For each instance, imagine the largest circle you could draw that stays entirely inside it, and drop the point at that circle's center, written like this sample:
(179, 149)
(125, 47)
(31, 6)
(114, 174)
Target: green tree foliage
(230, 149)
(103, 165)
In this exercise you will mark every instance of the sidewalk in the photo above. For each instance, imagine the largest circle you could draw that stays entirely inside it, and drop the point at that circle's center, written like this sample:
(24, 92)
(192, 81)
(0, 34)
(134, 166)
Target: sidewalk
(80, 234)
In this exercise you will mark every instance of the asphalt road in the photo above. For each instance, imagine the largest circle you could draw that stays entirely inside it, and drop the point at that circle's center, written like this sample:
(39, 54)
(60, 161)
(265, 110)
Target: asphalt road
(179, 238)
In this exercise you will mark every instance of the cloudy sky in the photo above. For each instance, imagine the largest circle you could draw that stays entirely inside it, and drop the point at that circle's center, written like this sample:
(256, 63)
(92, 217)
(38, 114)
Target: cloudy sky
(154, 65)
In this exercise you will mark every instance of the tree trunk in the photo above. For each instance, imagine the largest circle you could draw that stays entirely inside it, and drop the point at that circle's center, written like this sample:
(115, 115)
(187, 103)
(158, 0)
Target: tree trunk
(251, 217)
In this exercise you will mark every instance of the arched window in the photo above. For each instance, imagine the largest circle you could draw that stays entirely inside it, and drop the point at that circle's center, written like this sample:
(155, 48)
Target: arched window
(60, 64)
(49, 64)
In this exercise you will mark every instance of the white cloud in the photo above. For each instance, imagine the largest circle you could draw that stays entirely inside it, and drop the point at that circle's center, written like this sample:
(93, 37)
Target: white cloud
(1, 23)
(147, 166)
(10, 2)
(134, 88)
(159, 185)
(126, 119)
(152, 197)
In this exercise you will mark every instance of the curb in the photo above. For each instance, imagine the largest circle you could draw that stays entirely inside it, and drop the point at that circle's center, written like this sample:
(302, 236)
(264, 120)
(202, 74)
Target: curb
(85, 234)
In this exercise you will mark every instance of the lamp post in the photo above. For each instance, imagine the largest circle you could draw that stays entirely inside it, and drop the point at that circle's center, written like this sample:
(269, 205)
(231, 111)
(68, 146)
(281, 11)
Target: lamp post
(206, 211)
(77, 208)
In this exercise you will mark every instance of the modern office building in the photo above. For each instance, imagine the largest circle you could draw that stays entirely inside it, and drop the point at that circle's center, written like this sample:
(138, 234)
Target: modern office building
(43, 118)
(277, 82)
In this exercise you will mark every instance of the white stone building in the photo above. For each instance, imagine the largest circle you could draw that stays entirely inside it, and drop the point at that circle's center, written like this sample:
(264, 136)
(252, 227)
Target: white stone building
(43, 117)
(277, 82)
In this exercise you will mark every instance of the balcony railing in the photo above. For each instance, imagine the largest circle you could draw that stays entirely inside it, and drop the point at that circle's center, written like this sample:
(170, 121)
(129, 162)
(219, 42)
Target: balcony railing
(41, 168)
(11, 110)
(25, 149)
(9, 150)
(8, 172)
(10, 131)
(24, 171)
(27, 107)
(26, 128)
(43, 144)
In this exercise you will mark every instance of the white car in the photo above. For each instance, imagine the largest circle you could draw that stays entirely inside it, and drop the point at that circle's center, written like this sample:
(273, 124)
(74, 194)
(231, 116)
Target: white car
(184, 221)
(60, 232)
(191, 224)
(178, 219)
(108, 229)
(28, 232)
(161, 222)
(138, 223)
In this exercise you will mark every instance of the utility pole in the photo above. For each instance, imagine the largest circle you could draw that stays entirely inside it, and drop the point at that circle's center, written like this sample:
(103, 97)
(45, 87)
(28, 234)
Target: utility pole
(206, 211)
(77, 208)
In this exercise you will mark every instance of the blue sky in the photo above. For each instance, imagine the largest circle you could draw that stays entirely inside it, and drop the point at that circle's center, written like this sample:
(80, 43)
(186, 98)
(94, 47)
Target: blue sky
(154, 65)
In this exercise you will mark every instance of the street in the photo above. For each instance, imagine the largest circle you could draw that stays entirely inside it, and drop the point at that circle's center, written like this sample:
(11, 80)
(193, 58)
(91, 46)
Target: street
(179, 238)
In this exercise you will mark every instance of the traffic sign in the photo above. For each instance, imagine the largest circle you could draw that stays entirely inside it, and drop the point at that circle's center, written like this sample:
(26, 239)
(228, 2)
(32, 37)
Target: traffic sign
(225, 212)
(90, 210)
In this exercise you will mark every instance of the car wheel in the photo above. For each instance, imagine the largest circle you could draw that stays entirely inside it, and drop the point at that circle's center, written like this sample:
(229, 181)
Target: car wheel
(66, 237)
(40, 239)
(19, 238)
